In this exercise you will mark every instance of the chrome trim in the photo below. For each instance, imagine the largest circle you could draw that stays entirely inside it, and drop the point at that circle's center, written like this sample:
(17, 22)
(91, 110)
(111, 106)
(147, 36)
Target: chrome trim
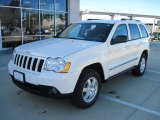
(123, 63)
(28, 65)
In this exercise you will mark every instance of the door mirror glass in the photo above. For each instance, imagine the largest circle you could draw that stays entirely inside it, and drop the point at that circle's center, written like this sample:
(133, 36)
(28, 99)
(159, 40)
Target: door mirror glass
(119, 39)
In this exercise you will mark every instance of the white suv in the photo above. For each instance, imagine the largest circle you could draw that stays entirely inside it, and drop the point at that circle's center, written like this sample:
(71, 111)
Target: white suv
(80, 58)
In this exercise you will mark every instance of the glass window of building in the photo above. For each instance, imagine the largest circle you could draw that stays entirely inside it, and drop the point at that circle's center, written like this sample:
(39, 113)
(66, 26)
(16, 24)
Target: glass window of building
(47, 4)
(10, 21)
(13, 3)
(30, 4)
(47, 24)
(30, 21)
(61, 22)
(61, 5)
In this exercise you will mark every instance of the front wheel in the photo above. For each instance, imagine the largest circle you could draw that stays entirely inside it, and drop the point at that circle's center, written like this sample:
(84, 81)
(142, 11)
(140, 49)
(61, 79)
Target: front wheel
(87, 89)
(140, 69)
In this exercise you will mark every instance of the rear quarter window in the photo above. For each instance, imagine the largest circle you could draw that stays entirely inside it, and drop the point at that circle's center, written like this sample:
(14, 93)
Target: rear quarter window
(143, 31)
(134, 31)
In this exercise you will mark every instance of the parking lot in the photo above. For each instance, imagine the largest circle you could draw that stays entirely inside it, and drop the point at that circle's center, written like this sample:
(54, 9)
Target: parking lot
(124, 98)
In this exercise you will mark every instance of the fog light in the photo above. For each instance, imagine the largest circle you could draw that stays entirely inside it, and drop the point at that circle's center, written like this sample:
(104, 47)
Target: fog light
(54, 90)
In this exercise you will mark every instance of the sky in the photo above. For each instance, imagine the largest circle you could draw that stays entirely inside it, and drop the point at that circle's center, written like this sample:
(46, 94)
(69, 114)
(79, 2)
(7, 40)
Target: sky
(148, 7)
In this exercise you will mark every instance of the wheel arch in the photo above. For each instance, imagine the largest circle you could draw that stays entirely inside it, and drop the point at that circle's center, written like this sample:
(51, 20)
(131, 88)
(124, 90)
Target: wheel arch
(95, 66)
(77, 97)
(146, 53)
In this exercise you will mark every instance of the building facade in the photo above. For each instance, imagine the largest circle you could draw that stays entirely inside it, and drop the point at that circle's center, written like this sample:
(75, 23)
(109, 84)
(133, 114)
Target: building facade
(23, 21)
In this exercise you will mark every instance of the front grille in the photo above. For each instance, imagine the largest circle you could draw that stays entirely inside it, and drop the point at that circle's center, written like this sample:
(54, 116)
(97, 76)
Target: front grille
(29, 62)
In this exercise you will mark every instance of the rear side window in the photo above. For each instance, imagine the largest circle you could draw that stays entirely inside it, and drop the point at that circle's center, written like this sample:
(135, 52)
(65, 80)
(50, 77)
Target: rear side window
(134, 31)
(143, 31)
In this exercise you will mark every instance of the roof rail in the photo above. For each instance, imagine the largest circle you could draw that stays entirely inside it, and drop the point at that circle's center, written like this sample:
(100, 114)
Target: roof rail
(131, 19)
(125, 19)
(94, 19)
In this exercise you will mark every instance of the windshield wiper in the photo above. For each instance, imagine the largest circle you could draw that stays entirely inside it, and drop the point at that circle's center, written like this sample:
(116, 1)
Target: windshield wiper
(76, 38)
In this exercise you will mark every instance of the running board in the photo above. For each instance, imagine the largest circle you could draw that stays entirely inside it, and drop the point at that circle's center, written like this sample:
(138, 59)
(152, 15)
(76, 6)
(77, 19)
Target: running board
(119, 74)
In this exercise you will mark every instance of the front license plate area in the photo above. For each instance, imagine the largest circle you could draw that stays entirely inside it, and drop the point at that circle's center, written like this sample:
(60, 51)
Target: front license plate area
(19, 76)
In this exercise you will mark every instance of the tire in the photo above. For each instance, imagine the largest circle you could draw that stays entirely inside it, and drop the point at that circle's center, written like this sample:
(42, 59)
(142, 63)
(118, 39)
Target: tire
(87, 89)
(141, 67)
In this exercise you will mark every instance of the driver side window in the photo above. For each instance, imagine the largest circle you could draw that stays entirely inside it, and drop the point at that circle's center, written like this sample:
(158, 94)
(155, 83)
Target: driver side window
(120, 32)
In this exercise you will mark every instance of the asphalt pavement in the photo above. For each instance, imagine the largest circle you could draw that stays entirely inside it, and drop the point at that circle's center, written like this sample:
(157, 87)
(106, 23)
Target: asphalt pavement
(124, 98)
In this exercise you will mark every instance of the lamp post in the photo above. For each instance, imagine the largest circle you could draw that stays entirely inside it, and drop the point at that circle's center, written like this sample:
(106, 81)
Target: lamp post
(158, 23)
(154, 22)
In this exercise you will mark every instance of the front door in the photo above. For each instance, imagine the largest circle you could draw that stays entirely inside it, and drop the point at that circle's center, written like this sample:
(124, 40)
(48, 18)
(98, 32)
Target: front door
(118, 54)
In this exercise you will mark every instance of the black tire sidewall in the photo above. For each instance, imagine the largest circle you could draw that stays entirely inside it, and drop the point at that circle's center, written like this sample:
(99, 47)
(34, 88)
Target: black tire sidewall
(143, 56)
(136, 71)
(77, 97)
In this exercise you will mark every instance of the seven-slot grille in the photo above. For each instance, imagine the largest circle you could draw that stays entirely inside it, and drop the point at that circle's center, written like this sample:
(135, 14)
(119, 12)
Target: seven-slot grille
(28, 62)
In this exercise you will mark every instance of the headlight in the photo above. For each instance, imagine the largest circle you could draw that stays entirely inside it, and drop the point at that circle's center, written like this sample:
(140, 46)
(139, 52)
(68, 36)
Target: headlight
(57, 65)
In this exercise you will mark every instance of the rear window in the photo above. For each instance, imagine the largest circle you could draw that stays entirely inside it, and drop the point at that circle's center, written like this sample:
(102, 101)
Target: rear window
(134, 31)
(143, 31)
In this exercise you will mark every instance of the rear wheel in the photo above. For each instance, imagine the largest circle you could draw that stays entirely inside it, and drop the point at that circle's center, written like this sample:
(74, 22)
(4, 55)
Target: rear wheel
(87, 89)
(140, 69)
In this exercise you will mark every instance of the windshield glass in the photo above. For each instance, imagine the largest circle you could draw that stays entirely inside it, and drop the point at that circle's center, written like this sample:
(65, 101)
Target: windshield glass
(87, 31)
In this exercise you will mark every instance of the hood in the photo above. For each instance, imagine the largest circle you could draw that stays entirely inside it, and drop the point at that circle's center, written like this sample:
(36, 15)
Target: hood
(55, 47)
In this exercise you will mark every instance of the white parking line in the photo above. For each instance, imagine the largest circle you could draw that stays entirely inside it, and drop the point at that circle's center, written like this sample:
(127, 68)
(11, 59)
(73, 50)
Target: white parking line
(120, 101)
(130, 105)
(153, 71)
(3, 68)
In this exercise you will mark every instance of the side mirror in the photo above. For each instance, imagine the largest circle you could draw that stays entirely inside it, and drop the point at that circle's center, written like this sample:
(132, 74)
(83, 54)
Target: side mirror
(119, 39)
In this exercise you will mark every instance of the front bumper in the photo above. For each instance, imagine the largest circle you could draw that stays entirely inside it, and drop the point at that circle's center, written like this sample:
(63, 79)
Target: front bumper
(64, 83)
(41, 90)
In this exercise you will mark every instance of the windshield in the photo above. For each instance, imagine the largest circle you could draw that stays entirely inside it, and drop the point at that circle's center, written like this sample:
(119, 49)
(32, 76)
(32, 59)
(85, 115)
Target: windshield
(87, 31)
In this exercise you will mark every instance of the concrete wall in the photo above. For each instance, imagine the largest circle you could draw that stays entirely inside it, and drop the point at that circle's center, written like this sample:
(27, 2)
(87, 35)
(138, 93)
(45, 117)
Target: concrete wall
(74, 11)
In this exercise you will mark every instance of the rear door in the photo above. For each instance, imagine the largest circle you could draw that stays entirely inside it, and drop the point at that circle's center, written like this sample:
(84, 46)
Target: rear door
(134, 43)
